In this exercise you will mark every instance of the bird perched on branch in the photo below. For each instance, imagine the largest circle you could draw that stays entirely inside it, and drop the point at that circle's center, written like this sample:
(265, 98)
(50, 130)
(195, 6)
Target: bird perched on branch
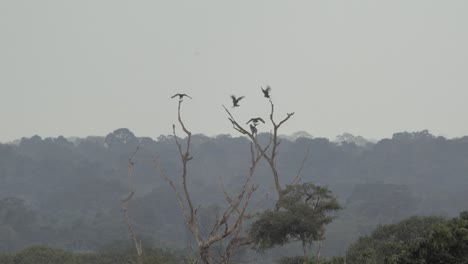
(266, 91)
(256, 120)
(181, 96)
(235, 100)
(253, 129)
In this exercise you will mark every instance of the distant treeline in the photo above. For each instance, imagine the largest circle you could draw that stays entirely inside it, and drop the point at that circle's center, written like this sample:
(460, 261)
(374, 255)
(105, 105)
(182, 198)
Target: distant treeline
(66, 193)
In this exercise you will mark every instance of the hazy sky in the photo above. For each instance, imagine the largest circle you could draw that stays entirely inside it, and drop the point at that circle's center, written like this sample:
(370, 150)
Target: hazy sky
(372, 68)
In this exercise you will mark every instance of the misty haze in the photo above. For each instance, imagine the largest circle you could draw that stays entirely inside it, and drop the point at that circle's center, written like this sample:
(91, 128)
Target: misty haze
(155, 132)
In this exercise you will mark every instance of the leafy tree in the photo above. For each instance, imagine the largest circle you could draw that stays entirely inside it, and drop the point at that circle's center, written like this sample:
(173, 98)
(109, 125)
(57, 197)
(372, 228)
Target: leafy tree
(71, 183)
(304, 211)
(121, 136)
(446, 243)
(388, 243)
(299, 212)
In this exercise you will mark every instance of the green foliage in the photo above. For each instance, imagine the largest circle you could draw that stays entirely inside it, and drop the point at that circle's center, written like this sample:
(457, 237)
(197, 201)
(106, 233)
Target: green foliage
(310, 260)
(43, 255)
(416, 240)
(302, 215)
(72, 190)
(389, 242)
(46, 255)
(447, 243)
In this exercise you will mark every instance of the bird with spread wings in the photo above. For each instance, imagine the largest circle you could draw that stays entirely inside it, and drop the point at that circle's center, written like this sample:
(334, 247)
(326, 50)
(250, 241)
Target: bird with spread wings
(255, 120)
(235, 100)
(266, 91)
(181, 96)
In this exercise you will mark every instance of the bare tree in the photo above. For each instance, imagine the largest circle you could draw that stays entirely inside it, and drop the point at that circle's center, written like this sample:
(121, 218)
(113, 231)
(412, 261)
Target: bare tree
(279, 210)
(274, 142)
(228, 225)
(125, 203)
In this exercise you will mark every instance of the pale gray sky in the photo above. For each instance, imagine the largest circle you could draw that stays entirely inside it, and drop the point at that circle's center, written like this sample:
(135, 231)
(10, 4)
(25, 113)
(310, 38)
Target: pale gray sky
(371, 68)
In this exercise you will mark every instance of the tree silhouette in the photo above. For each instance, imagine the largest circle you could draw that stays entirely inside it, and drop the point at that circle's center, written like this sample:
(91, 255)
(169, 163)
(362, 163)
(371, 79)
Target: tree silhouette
(228, 224)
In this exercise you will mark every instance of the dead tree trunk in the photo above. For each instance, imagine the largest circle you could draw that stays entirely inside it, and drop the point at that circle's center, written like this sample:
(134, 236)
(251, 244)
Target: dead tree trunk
(228, 226)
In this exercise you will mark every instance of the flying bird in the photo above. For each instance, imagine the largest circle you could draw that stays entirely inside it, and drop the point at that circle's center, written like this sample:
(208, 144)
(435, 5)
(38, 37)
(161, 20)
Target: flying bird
(235, 100)
(181, 96)
(266, 91)
(256, 120)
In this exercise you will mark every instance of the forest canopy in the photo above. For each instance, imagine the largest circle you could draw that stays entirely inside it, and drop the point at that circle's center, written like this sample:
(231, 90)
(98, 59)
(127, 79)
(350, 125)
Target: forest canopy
(66, 192)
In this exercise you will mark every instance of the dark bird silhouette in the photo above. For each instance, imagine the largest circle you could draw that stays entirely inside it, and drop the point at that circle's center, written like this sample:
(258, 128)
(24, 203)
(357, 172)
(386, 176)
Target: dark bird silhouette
(266, 91)
(256, 120)
(253, 129)
(181, 96)
(235, 100)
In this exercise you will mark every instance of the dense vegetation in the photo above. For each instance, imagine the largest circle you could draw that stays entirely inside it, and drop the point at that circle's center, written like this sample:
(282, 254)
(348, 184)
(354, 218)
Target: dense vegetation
(65, 193)
(46, 255)
(415, 240)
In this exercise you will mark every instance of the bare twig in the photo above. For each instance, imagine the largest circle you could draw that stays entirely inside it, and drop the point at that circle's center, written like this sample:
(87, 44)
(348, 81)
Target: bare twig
(299, 172)
(125, 203)
(274, 141)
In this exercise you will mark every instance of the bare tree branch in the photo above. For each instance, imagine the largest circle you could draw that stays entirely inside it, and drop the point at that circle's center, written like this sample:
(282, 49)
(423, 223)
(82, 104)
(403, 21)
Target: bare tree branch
(185, 157)
(299, 172)
(125, 203)
(228, 224)
(274, 140)
(173, 187)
